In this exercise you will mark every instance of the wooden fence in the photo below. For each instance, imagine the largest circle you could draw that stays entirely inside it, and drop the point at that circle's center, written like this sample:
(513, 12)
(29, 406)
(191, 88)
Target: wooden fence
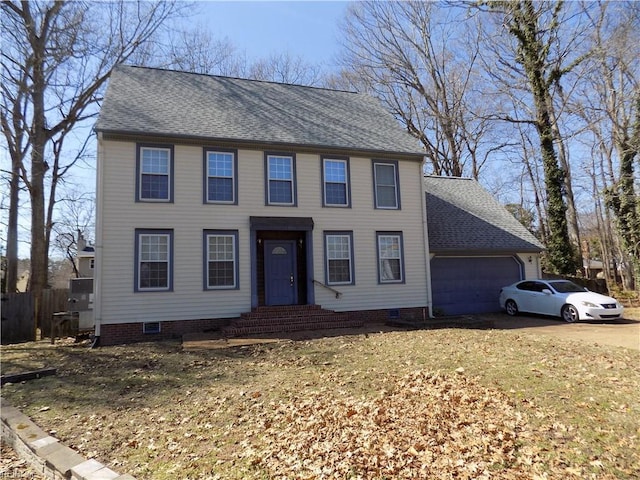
(19, 322)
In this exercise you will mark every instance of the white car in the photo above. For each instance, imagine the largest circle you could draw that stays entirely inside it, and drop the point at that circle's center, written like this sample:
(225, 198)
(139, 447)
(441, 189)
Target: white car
(560, 298)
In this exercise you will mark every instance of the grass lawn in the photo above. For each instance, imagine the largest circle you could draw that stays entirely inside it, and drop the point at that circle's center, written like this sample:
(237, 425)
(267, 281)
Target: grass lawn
(448, 403)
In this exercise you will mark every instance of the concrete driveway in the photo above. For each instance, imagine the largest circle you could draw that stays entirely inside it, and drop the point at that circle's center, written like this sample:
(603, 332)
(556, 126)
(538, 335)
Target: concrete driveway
(619, 333)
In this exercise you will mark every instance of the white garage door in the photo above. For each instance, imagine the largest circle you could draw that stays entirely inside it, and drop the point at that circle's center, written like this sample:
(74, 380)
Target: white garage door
(466, 285)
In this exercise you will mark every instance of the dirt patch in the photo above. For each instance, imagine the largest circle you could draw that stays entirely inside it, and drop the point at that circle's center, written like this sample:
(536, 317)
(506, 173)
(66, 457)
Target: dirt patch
(475, 403)
(197, 341)
(204, 341)
(618, 333)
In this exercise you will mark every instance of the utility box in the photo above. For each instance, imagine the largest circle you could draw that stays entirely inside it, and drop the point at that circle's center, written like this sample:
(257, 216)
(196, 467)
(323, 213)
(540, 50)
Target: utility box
(81, 301)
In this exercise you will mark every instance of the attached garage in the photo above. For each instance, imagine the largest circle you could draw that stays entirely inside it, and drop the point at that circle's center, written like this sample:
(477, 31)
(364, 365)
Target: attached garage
(468, 285)
(476, 247)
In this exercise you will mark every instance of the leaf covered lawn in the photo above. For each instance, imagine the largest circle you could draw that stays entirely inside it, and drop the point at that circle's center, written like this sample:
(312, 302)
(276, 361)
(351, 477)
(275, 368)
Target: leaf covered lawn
(440, 404)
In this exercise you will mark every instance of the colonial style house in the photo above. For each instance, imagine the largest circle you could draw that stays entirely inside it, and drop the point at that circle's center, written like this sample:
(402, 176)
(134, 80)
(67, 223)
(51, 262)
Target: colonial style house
(224, 202)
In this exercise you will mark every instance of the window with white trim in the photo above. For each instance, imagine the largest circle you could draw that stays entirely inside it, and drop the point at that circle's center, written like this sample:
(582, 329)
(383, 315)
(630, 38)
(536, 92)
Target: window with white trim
(221, 176)
(280, 175)
(386, 185)
(154, 167)
(221, 259)
(154, 251)
(339, 258)
(335, 182)
(390, 257)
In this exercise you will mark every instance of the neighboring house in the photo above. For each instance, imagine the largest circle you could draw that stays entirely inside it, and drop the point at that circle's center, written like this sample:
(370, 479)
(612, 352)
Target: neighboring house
(22, 285)
(592, 268)
(85, 258)
(219, 195)
(81, 288)
(476, 247)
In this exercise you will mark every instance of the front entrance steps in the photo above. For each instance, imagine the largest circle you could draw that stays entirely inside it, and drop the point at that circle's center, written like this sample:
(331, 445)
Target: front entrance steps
(289, 318)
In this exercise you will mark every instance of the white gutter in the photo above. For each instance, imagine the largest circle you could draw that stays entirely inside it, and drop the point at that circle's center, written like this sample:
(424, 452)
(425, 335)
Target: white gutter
(97, 275)
(425, 239)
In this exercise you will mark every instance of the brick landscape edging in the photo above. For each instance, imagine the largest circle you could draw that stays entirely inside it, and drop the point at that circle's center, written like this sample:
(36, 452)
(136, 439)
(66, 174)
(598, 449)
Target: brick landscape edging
(45, 454)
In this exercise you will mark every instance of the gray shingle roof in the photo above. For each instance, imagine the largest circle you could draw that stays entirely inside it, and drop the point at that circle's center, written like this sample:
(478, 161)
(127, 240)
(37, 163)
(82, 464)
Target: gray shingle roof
(180, 104)
(463, 217)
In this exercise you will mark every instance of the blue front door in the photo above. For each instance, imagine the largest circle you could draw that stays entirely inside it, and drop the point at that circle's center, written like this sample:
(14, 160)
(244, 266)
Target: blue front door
(280, 272)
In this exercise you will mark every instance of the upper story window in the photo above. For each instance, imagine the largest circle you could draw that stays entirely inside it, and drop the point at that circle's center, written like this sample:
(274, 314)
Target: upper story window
(221, 176)
(390, 257)
(280, 173)
(386, 185)
(154, 259)
(335, 182)
(221, 259)
(155, 173)
(339, 258)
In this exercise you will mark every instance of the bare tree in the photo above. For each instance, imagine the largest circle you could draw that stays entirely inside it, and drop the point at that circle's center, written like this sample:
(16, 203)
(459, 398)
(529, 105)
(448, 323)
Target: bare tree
(419, 58)
(524, 215)
(11, 279)
(197, 50)
(193, 49)
(56, 59)
(608, 103)
(607, 243)
(535, 179)
(285, 68)
(621, 88)
(75, 220)
(536, 54)
(12, 119)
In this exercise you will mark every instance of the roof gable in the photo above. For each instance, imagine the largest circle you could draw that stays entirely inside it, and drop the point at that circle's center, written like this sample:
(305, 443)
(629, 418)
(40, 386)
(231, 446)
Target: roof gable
(146, 101)
(463, 217)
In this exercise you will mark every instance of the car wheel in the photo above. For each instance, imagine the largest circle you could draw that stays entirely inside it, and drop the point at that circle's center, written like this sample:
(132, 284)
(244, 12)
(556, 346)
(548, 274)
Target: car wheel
(569, 313)
(511, 308)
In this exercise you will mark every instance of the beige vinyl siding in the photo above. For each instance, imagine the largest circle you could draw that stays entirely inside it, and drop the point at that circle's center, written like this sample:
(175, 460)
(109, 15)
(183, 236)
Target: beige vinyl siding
(188, 216)
(364, 220)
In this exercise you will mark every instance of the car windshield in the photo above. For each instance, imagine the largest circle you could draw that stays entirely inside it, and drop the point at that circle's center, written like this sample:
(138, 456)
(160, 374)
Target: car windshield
(566, 287)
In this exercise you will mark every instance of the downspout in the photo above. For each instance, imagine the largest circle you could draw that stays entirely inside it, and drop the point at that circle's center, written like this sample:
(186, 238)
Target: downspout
(97, 273)
(425, 239)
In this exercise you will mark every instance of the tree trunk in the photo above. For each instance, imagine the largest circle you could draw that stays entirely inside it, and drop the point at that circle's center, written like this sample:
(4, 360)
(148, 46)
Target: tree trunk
(12, 228)
(621, 197)
(622, 200)
(538, 204)
(572, 212)
(39, 247)
(524, 26)
(561, 252)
